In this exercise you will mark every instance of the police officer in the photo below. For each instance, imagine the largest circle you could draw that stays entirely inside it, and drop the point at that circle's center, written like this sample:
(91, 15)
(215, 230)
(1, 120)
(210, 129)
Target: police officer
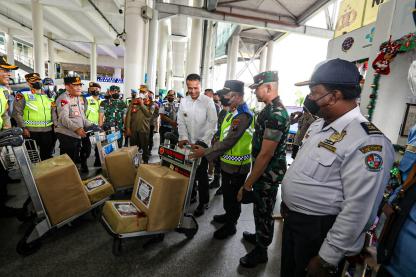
(71, 118)
(92, 108)
(49, 88)
(139, 115)
(332, 189)
(269, 165)
(33, 112)
(113, 110)
(234, 150)
(168, 116)
(154, 120)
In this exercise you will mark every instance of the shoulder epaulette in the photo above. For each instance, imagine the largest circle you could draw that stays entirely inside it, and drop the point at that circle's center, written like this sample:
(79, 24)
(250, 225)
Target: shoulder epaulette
(370, 128)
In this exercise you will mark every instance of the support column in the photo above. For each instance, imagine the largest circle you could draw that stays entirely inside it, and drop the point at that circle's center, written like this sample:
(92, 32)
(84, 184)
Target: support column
(37, 28)
(193, 59)
(51, 54)
(232, 58)
(133, 54)
(163, 51)
(263, 59)
(93, 62)
(152, 58)
(207, 56)
(169, 68)
(10, 51)
(270, 50)
(117, 73)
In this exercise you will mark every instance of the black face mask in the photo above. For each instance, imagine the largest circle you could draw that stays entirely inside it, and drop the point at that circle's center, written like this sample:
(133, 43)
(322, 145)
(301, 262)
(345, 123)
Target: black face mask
(216, 101)
(224, 101)
(37, 85)
(115, 96)
(106, 97)
(312, 106)
(95, 93)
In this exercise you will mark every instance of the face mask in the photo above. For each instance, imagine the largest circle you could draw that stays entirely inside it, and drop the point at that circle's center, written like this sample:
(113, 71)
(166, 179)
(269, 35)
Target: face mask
(95, 93)
(115, 95)
(37, 85)
(170, 99)
(106, 97)
(311, 105)
(224, 101)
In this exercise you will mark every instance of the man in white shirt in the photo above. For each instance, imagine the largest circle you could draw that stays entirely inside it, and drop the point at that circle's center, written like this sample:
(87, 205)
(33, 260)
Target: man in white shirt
(197, 123)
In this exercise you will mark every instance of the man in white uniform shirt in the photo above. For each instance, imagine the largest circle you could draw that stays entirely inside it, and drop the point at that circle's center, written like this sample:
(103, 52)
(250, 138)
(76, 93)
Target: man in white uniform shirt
(197, 123)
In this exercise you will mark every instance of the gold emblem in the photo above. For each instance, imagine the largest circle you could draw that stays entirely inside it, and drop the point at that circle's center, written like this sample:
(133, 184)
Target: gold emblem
(336, 137)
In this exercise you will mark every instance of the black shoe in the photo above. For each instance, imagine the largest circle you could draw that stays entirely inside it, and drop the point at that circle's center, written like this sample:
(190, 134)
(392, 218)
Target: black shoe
(257, 256)
(220, 218)
(214, 184)
(225, 231)
(200, 210)
(97, 163)
(219, 191)
(249, 237)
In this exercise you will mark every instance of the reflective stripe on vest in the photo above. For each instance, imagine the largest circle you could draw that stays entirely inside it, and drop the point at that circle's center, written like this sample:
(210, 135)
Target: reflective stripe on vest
(38, 110)
(3, 105)
(93, 111)
(240, 153)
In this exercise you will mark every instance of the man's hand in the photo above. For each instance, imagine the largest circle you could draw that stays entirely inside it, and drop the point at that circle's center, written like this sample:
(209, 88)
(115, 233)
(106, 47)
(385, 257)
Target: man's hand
(26, 133)
(80, 132)
(181, 143)
(174, 124)
(128, 132)
(246, 187)
(197, 152)
(315, 268)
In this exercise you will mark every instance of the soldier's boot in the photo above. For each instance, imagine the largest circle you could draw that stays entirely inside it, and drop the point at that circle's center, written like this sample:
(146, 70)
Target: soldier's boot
(249, 237)
(225, 231)
(220, 218)
(257, 256)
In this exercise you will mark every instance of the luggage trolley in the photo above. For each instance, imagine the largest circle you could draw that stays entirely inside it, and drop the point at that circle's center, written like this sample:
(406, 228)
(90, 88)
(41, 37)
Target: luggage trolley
(178, 161)
(40, 224)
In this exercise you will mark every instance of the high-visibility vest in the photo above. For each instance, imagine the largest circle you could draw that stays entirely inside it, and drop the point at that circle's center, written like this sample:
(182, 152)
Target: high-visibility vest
(38, 110)
(3, 105)
(93, 109)
(240, 153)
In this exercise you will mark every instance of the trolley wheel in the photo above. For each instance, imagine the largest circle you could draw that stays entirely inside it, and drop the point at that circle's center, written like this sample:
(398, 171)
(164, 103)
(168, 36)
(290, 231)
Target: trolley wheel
(25, 249)
(117, 247)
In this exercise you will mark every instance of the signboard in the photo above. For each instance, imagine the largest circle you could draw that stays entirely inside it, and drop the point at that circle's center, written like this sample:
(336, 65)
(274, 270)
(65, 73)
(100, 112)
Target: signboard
(224, 32)
(350, 17)
(371, 10)
(171, 154)
(109, 80)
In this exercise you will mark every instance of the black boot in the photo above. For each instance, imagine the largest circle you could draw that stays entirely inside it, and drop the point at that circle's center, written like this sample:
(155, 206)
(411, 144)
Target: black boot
(249, 237)
(225, 231)
(220, 218)
(97, 163)
(215, 183)
(257, 256)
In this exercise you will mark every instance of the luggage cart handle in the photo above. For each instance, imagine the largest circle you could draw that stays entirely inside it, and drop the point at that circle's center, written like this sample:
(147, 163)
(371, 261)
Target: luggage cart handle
(11, 132)
(11, 141)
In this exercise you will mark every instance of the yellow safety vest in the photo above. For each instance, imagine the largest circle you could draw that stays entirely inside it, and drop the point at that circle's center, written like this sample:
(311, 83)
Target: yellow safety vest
(38, 110)
(3, 105)
(93, 109)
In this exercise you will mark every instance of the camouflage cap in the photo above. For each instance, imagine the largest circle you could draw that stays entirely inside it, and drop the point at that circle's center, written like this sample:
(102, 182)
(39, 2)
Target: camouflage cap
(32, 78)
(264, 77)
(115, 88)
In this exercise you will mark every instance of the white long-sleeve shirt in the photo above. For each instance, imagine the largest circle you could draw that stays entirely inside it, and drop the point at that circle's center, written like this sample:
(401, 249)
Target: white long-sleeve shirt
(197, 119)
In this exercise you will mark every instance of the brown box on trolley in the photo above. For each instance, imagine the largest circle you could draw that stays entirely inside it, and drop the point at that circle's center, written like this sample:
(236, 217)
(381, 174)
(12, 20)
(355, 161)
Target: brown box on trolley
(124, 217)
(98, 188)
(160, 193)
(60, 188)
(120, 167)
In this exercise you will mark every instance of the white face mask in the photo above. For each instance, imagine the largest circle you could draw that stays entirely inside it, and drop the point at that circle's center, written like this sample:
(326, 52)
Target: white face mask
(50, 88)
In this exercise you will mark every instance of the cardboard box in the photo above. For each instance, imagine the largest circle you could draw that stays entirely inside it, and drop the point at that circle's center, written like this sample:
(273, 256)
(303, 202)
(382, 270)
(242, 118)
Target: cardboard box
(60, 188)
(120, 167)
(160, 193)
(124, 217)
(98, 188)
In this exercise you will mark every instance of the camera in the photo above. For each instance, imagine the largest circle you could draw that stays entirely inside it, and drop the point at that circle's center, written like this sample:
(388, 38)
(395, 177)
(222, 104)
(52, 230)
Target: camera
(116, 41)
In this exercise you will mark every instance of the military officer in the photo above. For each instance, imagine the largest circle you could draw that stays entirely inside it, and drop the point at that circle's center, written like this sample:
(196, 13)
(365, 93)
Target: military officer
(234, 150)
(154, 120)
(139, 115)
(33, 112)
(168, 116)
(269, 164)
(332, 190)
(92, 108)
(71, 118)
(113, 110)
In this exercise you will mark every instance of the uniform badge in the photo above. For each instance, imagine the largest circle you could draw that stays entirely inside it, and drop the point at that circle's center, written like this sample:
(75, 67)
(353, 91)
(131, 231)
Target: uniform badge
(370, 128)
(327, 146)
(53, 104)
(63, 102)
(371, 148)
(31, 97)
(374, 162)
(335, 137)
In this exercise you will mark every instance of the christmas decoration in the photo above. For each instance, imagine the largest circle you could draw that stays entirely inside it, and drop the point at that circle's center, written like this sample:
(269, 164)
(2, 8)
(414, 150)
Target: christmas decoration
(387, 53)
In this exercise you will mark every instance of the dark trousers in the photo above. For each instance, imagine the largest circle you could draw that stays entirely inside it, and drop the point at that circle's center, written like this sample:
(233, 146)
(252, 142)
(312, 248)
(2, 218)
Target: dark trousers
(46, 143)
(141, 140)
(85, 150)
(4, 177)
(382, 272)
(303, 236)
(151, 133)
(69, 145)
(231, 184)
(202, 177)
(295, 149)
(162, 131)
(263, 216)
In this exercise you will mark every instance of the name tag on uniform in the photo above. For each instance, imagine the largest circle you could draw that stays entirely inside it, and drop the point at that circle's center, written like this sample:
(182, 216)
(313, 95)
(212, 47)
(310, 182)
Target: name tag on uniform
(74, 110)
(92, 103)
(31, 97)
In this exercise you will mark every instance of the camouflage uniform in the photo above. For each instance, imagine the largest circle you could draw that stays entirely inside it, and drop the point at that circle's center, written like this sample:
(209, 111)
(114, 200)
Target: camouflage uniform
(272, 123)
(114, 111)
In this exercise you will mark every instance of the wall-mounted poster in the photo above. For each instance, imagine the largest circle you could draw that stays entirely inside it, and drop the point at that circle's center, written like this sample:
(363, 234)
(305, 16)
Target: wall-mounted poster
(409, 119)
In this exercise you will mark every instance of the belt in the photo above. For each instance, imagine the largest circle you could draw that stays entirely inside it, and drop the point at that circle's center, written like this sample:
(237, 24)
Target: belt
(411, 148)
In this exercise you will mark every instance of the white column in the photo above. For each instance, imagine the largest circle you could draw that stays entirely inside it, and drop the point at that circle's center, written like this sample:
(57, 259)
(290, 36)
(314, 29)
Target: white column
(270, 50)
(117, 73)
(169, 68)
(37, 28)
(152, 56)
(232, 58)
(10, 51)
(193, 59)
(162, 55)
(133, 54)
(207, 56)
(51, 55)
(263, 59)
(93, 62)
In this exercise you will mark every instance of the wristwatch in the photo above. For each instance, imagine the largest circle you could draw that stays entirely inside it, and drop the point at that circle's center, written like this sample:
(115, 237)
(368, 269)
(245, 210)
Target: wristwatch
(331, 269)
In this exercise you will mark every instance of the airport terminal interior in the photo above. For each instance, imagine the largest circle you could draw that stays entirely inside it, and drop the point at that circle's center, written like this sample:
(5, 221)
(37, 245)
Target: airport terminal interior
(208, 138)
